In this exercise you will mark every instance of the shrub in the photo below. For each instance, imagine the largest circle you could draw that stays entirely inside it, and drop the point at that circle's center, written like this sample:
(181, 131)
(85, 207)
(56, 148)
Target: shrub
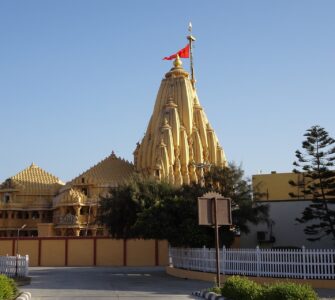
(288, 291)
(8, 289)
(215, 289)
(241, 288)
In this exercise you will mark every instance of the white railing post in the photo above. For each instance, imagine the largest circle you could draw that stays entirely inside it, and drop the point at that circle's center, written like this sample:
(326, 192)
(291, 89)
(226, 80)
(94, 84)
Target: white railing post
(170, 257)
(257, 262)
(26, 265)
(258, 259)
(223, 262)
(203, 253)
(304, 261)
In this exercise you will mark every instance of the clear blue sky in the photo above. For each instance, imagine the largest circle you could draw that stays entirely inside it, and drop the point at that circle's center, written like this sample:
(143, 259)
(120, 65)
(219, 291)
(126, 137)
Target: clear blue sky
(79, 78)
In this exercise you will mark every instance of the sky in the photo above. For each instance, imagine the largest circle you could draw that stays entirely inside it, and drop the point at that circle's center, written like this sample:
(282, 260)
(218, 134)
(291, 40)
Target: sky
(79, 78)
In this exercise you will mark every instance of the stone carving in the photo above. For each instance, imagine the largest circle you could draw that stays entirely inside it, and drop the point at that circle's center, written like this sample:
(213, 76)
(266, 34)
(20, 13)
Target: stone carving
(68, 219)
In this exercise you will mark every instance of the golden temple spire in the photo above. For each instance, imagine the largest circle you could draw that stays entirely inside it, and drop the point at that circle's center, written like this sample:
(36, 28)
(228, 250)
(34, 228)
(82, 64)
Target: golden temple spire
(191, 39)
(178, 138)
(177, 62)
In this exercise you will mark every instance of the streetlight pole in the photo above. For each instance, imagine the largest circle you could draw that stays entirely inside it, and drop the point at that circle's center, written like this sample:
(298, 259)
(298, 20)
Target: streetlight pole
(92, 203)
(17, 247)
(88, 218)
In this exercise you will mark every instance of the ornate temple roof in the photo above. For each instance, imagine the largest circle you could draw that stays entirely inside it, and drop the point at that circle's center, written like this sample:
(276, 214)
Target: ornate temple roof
(109, 172)
(34, 180)
(179, 141)
(69, 197)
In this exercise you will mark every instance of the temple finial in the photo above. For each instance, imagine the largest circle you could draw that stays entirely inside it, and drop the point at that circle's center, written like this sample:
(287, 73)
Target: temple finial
(190, 27)
(177, 62)
(191, 39)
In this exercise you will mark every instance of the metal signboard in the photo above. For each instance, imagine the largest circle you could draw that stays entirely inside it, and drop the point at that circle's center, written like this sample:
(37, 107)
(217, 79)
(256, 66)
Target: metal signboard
(206, 210)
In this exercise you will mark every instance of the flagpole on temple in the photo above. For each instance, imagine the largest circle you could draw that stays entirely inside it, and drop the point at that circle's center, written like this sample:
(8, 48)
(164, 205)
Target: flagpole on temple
(191, 39)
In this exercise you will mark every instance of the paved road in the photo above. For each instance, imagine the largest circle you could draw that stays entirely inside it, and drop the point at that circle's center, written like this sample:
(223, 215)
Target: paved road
(116, 283)
(108, 283)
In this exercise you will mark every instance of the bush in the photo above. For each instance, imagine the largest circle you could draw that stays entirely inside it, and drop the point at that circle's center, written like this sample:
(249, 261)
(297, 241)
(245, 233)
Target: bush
(215, 289)
(288, 291)
(241, 288)
(8, 289)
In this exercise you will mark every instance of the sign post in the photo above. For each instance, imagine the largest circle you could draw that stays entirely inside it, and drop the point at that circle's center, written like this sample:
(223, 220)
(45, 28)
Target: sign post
(214, 209)
(217, 243)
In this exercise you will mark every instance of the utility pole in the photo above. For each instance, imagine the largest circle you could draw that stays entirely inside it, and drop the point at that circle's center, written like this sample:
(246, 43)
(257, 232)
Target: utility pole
(17, 249)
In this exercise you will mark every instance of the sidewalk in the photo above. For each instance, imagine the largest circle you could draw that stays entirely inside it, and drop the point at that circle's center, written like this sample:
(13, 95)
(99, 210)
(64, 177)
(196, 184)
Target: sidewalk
(326, 293)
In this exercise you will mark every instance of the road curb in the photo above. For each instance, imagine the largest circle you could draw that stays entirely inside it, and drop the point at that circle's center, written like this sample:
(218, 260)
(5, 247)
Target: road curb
(208, 295)
(24, 296)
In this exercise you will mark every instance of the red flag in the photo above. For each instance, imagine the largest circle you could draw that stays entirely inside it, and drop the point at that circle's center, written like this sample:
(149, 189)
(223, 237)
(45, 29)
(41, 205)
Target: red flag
(184, 53)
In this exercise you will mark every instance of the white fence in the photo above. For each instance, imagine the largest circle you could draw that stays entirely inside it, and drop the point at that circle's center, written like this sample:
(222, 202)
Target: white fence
(304, 263)
(14, 266)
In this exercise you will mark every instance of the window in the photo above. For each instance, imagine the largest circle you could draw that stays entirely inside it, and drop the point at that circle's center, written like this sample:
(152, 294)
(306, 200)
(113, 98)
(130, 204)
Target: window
(83, 180)
(35, 215)
(84, 210)
(261, 235)
(19, 215)
(85, 191)
(6, 197)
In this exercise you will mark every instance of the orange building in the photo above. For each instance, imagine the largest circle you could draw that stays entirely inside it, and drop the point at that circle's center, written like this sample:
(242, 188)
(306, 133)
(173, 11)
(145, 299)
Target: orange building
(43, 205)
(26, 199)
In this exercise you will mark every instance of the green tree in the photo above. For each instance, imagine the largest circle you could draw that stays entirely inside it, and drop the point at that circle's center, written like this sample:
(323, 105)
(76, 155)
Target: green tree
(229, 182)
(120, 209)
(175, 218)
(149, 209)
(316, 165)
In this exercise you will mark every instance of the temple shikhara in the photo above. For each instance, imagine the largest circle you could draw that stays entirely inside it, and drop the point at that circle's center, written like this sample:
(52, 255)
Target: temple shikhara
(179, 139)
(178, 146)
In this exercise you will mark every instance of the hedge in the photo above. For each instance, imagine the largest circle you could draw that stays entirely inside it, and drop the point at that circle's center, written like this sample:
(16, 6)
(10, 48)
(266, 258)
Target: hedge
(8, 289)
(242, 288)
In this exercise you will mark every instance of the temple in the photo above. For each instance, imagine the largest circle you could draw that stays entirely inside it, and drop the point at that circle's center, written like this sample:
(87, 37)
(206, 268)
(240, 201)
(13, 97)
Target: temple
(42, 205)
(178, 146)
(26, 199)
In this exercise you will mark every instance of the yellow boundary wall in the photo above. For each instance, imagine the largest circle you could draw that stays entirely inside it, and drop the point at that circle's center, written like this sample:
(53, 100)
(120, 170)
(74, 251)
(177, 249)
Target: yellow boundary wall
(181, 273)
(87, 251)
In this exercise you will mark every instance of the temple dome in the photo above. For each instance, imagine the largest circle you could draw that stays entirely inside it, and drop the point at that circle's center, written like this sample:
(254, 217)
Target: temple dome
(179, 141)
(110, 172)
(35, 181)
